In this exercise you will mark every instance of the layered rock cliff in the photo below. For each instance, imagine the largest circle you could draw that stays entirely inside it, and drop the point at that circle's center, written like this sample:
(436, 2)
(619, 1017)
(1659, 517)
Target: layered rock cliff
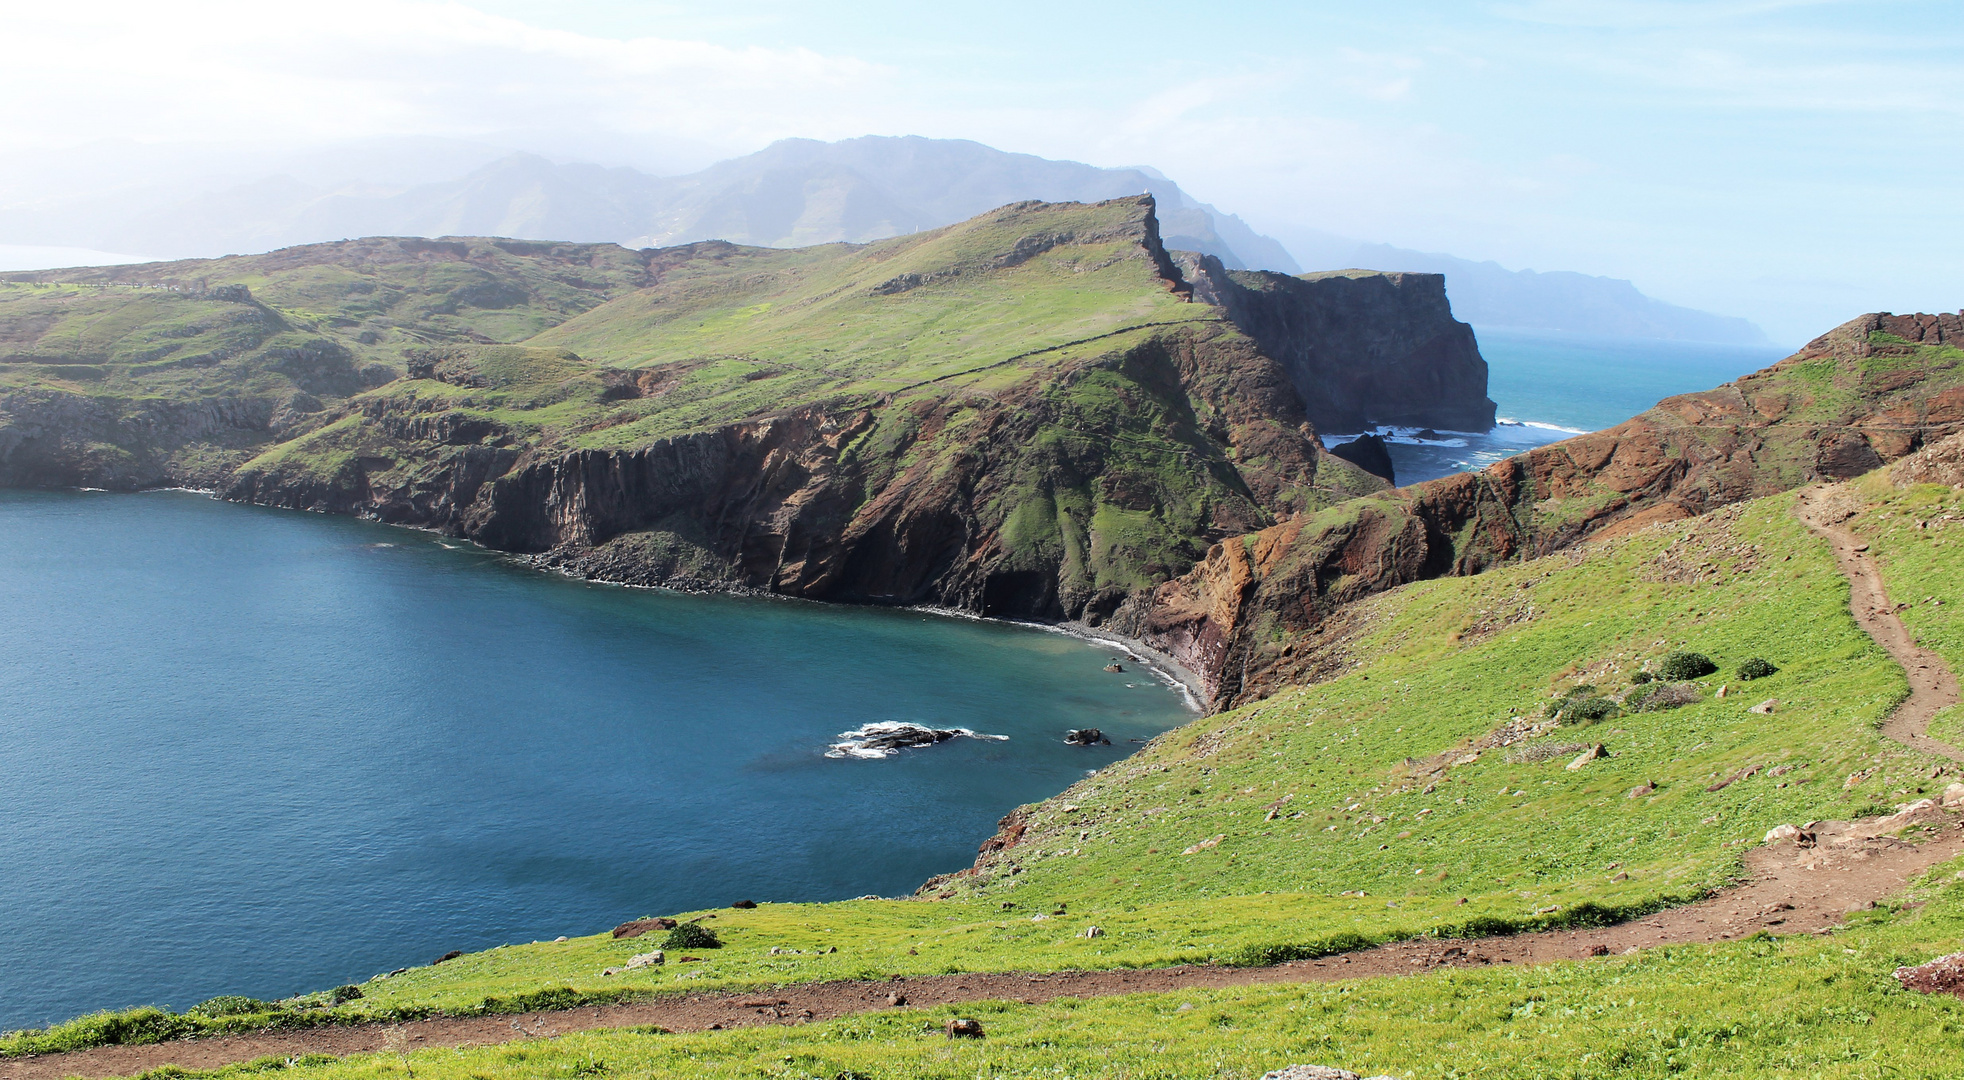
(1363, 348)
(1037, 413)
(1249, 618)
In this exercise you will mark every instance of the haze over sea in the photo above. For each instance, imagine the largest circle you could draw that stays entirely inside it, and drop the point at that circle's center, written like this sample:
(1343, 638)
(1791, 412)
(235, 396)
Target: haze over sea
(257, 751)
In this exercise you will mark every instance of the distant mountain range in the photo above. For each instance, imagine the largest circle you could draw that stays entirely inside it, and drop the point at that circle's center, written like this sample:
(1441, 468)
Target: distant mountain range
(792, 193)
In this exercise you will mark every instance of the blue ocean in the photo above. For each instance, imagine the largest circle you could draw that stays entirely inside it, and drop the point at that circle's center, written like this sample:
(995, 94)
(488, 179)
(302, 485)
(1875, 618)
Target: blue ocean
(259, 751)
(1551, 385)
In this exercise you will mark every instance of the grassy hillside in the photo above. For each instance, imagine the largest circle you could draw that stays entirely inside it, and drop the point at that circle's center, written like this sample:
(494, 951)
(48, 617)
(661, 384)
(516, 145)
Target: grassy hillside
(1788, 1007)
(1850, 401)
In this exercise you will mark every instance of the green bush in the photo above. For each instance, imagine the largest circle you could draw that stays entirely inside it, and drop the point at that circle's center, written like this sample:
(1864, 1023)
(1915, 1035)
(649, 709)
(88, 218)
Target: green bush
(692, 936)
(1756, 669)
(230, 1005)
(346, 993)
(1641, 678)
(1684, 666)
(1658, 696)
(1585, 711)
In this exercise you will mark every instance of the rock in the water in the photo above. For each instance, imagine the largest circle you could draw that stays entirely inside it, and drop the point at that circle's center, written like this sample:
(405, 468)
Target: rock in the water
(638, 927)
(888, 737)
(1368, 453)
(964, 1028)
(1115, 666)
(1090, 736)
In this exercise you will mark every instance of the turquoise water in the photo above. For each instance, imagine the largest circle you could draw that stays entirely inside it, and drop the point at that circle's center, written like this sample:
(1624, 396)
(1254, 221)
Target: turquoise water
(1550, 385)
(256, 751)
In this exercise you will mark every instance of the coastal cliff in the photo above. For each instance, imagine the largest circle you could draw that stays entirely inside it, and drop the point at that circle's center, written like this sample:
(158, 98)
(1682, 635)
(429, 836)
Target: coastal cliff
(1038, 413)
(1362, 347)
(1265, 610)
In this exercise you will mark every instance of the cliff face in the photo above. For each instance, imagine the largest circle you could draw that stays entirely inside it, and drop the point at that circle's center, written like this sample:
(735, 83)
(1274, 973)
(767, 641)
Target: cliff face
(1055, 498)
(1362, 347)
(1027, 414)
(1248, 617)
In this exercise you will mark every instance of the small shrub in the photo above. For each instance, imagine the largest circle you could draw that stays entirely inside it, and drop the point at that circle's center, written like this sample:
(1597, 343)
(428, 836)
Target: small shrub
(1684, 666)
(1641, 678)
(692, 936)
(229, 1005)
(1756, 669)
(1585, 711)
(345, 994)
(1658, 696)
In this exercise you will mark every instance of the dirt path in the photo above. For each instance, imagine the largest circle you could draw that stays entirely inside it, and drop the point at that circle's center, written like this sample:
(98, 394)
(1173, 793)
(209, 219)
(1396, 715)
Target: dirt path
(1932, 685)
(1795, 886)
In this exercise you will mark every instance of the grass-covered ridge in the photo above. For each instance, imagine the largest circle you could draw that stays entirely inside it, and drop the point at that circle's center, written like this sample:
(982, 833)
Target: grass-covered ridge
(1313, 821)
(1313, 800)
(1786, 1007)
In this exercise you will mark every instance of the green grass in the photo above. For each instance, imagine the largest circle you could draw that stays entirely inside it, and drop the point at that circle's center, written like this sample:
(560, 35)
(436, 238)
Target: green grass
(1525, 845)
(1917, 537)
(1790, 1007)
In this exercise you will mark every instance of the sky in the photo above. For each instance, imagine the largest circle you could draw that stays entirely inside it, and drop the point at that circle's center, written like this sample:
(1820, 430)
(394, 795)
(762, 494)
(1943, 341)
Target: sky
(1793, 162)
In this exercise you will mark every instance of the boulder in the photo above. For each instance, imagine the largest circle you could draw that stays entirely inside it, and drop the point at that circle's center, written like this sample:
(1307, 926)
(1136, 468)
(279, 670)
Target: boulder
(1090, 932)
(1954, 795)
(964, 1028)
(641, 926)
(1369, 454)
(1090, 736)
(1944, 975)
(1589, 755)
(646, 959)
(1782, 832)
(1765, 708)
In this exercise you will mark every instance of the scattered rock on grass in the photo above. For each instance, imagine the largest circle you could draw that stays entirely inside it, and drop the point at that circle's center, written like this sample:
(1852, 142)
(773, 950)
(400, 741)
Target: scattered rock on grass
(1316, 1072)
(1765, 708)
(1091, 931)
(1944, 975)
(1589, 755)
(642, 926)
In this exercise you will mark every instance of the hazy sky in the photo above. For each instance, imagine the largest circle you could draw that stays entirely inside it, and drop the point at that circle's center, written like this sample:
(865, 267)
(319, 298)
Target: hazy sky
(1796, 163)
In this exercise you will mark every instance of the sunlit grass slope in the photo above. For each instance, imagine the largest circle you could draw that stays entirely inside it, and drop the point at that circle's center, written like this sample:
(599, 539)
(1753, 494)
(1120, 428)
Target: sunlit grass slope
(1313, 822)
(1434, 669)
(1789, 1007)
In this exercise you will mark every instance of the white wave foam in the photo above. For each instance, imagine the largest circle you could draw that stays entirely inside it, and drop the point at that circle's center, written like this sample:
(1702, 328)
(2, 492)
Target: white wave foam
(1543, 425)
(885, 738)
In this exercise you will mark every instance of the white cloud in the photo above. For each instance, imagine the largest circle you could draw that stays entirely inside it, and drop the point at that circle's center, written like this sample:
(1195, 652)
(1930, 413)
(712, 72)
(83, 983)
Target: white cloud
(226, 70)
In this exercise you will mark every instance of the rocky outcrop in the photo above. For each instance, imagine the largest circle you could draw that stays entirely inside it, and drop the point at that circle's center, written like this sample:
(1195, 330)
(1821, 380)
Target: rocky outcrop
(1246, 619)
(1368, 453)
(1362, 347)
(1022, 503)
